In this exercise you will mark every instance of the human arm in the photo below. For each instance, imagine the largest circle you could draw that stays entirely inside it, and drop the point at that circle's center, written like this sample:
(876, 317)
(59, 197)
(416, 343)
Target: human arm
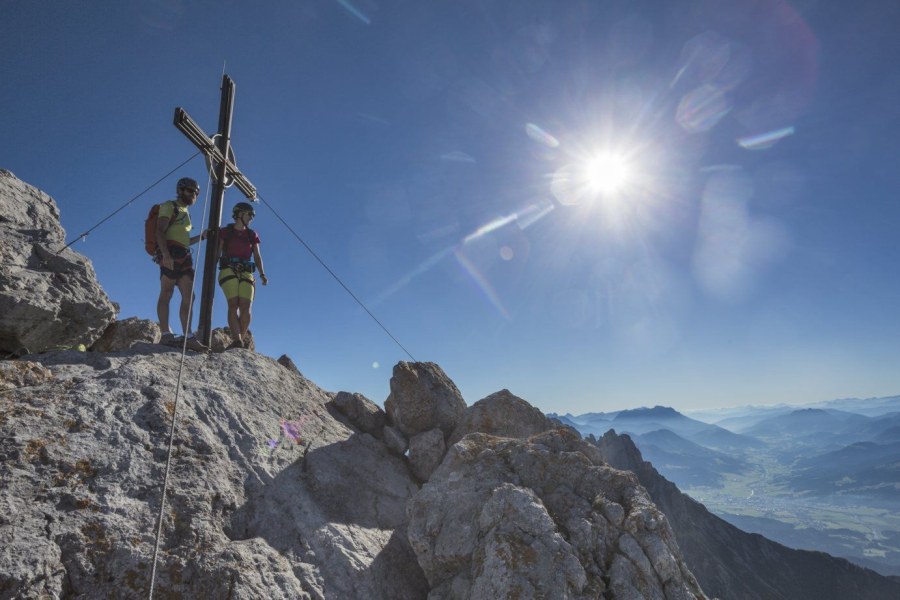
(259, 264)
(203, 235)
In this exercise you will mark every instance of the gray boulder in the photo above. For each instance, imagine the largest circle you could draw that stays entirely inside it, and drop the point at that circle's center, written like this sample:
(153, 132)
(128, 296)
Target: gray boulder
(395, 441)
(122, 335)
(542, 518)
(426, 451)
(423, 398)
(47, 300)
(362, 413)
(221, 339)
(502, 414)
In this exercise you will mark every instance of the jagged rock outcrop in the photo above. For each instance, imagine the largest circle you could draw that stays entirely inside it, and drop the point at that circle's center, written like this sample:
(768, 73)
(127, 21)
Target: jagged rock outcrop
(269, 495)
(426, 451)
(47, 300)
(362, 413)
(502, 414)
(423, 398)
(542, 518)
(122, 335)
(731, 563)
(221, 339)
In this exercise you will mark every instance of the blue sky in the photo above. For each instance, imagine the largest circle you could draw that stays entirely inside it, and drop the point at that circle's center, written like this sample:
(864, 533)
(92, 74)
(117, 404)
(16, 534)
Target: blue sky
(438, 157)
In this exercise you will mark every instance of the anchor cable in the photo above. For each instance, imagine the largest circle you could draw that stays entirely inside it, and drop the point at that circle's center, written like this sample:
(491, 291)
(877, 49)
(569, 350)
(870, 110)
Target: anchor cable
(336, 278)
(112, 214)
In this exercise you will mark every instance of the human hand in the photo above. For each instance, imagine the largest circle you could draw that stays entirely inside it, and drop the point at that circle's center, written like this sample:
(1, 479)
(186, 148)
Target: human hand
(265, 280)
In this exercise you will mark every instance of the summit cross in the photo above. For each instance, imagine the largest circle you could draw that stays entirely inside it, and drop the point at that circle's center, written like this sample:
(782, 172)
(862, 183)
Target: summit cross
(224, 173)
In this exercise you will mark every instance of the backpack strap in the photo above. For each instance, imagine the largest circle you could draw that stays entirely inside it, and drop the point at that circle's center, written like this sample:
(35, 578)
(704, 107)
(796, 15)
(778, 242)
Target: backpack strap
(171, 219)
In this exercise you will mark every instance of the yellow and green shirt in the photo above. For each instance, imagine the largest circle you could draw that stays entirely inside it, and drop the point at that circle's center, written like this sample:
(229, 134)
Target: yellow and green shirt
(179, 230)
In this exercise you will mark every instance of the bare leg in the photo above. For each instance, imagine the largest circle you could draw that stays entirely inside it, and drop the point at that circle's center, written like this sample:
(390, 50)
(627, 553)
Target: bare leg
(245, 304)
(185, 285)
(166, 289)
(234, 323)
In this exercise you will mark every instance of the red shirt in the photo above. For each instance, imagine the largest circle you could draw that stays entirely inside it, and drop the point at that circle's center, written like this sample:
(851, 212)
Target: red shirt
(238, 243)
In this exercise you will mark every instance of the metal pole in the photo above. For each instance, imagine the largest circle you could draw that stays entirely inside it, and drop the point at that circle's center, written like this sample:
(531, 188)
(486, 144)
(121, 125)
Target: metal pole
(204, 327)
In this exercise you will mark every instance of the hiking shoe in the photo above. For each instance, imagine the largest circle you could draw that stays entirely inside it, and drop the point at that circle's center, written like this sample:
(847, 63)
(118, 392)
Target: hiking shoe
(168, 338)
(235, 344)
(195, 345)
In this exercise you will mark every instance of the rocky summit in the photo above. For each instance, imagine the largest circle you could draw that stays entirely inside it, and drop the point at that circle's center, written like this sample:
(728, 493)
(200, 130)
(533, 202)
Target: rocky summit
(274, 491)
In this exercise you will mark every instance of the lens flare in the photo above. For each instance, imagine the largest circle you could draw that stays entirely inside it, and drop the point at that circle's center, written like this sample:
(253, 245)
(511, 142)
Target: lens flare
(764, 141)
(606, 173)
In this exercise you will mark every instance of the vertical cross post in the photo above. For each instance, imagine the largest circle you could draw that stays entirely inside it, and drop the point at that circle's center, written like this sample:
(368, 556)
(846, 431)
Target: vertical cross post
(208, 289)
(224, 172)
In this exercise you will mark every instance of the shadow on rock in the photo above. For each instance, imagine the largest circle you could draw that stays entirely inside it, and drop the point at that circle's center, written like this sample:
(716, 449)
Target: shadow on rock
(341, 509)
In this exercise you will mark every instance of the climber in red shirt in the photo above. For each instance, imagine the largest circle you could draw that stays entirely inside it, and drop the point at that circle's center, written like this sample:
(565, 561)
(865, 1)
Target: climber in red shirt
(239, 257)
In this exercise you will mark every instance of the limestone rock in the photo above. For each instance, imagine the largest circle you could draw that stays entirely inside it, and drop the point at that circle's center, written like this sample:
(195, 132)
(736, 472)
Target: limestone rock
(395, 441)
(221, 339)
(504, 415)
(362, 413)
(47, 300)
(426, 450)
(22, 373)
(122, 335)
(268, 494)
(288, 363)
(423, 398)
(541, 518)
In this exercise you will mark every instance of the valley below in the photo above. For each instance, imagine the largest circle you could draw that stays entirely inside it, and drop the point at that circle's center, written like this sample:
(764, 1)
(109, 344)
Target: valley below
(862, 529)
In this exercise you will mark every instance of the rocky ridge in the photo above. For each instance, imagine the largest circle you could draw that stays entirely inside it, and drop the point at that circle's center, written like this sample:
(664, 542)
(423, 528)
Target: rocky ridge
(48, 298)
(274, 492)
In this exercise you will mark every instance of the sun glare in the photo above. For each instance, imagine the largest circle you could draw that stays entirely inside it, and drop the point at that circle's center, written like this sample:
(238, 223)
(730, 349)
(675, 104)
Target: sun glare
(606, 173)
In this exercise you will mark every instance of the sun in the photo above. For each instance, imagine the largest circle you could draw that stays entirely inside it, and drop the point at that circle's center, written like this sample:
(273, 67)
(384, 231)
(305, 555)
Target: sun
(606, 173)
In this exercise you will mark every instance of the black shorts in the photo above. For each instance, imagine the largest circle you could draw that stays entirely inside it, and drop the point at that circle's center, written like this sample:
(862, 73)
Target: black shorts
(182, 265)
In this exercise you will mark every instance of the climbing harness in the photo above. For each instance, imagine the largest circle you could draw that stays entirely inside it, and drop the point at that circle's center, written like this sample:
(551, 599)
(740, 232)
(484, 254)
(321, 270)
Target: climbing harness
(237, 265)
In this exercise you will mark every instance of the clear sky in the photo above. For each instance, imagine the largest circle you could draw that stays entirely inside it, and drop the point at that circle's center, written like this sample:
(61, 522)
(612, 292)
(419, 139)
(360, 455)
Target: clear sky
(597, 205)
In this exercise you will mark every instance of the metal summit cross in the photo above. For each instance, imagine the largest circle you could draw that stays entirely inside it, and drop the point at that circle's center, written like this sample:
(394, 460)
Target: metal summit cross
(224, 172)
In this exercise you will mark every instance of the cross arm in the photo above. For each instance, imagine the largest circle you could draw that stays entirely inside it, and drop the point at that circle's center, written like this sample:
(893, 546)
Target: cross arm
(192, 131)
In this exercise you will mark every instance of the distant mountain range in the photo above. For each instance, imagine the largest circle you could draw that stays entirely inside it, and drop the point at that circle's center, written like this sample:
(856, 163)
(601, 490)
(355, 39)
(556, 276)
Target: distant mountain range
(645, 420)
(775, 460)
(863, 469)
(739, 417)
